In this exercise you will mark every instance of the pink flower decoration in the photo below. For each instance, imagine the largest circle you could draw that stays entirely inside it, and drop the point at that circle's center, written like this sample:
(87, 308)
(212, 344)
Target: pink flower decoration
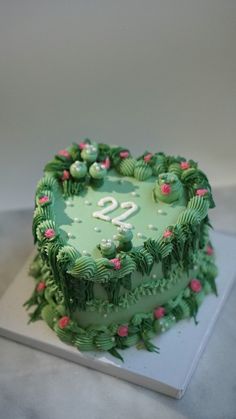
(82, 146)
(147, 157)
(43, 199)
(65, 175)
(209, 250)
(159, 312)
(41, 286)
(116, 263)
(184, 165)
(124, 154)
(195, 285)
(49, 233)
(123, 331)
(166, 189)
(167, 234)
(63, 322)
(64, 153)
(106, 163)
(201, 192)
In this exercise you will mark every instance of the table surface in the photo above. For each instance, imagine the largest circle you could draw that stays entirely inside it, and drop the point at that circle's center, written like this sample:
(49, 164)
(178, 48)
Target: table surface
(35, 385)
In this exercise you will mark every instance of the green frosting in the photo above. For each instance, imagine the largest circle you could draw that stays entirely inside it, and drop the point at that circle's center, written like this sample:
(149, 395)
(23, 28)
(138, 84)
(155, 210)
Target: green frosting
(127, 166)
(173, 191)
(78, 169)
(107, 248)
(83, 267)
(148, 269)
(142, 171)
(97, 171)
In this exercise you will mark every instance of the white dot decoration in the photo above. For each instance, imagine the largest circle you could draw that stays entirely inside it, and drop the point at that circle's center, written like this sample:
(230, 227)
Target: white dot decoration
(141, 236)
(97, 229)
(87, 202)
(69, 203)
(152, 227)
(105, 315)
(161, 211)
(86, 253)
(69, 234)
(154, 276)
(77, 220)
(134, 193)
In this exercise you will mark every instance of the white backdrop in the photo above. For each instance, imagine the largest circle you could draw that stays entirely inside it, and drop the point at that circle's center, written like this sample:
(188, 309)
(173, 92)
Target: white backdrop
(157, 75)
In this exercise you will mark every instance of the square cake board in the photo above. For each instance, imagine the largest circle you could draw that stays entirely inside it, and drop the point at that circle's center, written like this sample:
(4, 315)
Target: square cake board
(180, 348)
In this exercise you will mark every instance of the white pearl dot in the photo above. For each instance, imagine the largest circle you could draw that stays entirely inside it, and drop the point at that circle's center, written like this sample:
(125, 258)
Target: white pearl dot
(69, 203)
(77, 220)
(85, 253)
(97, 229)
(161, 211)
(154, 276)
(134, 193)
(87, 202)
(151, 227)
(69, 234)
(141, 236)
(105, 315)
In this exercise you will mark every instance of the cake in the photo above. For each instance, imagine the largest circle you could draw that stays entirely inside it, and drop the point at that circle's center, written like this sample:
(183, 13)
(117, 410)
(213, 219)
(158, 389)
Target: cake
(123, 247)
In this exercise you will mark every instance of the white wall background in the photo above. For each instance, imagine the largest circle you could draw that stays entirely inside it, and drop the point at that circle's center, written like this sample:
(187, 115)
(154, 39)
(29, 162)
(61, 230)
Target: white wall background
(158, 75)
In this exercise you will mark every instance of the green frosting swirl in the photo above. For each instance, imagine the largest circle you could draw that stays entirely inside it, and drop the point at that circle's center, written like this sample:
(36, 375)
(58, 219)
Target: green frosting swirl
(84, 268)
(127, 166)
(142, 171)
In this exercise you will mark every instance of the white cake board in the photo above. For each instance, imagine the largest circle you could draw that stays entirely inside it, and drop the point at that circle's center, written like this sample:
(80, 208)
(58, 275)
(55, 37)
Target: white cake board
(180, 347)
